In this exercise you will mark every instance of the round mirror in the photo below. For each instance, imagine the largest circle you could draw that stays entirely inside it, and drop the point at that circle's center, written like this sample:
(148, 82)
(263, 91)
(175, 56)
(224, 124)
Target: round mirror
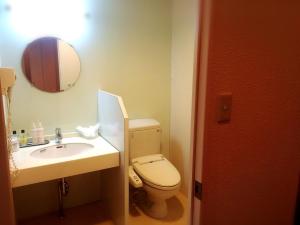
(51, 64)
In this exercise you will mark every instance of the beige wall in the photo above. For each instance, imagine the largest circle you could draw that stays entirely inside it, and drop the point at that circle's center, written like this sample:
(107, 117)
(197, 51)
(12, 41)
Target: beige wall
(69, 65)
(125, 49)
(184, 29)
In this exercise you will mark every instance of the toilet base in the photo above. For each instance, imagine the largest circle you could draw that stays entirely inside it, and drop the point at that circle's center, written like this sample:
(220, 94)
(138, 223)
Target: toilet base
(155, 204)
(156, 208)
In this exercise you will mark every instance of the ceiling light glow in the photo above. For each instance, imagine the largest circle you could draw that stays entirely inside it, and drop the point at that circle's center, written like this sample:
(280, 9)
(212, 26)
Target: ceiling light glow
(60, 18)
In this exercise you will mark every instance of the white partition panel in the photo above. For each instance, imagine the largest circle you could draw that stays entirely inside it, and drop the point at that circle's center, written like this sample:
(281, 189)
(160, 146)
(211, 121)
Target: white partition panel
(113, 120)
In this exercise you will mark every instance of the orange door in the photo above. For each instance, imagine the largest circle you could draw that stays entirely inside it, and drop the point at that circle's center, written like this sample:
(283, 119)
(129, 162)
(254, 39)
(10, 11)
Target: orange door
(251, 164)
(40, 62)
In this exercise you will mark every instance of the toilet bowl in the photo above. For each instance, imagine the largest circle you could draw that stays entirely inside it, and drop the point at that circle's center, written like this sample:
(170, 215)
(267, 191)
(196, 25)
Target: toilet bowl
(161, 181)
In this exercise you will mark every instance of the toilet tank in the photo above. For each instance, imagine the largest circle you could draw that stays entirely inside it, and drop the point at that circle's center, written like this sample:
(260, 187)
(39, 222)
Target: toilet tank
(144, 137)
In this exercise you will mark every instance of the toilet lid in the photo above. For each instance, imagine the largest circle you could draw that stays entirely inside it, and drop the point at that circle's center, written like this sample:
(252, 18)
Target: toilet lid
(157, 170)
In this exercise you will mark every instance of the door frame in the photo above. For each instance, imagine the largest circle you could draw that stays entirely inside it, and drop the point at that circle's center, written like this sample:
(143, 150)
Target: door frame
(199, 106)
(7, 213)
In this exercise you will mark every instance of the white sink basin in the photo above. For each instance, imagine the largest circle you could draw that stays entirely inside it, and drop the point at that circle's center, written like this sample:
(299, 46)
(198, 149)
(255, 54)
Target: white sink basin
(61, 150)
(77, 156)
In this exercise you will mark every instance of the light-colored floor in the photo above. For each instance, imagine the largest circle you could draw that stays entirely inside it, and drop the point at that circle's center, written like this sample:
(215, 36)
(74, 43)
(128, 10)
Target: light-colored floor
(94, 214)
(177, 214)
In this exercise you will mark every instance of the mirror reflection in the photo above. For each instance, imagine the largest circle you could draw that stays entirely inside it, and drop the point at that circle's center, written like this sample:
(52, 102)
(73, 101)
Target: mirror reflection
(51, 64)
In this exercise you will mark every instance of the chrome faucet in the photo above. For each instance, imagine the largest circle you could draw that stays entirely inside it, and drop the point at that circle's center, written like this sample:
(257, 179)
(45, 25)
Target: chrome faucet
(58, 136)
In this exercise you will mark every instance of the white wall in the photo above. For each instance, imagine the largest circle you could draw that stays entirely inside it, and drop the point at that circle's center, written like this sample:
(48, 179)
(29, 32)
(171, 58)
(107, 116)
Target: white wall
(125, 49)
(113, 121)
(184, 32)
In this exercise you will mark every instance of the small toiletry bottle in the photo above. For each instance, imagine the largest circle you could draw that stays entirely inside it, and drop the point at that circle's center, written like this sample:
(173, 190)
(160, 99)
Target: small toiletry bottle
(40, 133)
(14, 141)
(34, 134)
(23, 139)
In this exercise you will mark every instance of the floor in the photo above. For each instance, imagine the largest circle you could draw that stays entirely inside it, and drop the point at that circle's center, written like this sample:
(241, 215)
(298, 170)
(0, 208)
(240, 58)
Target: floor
(82, 215)
(89, 215)
(177, 214)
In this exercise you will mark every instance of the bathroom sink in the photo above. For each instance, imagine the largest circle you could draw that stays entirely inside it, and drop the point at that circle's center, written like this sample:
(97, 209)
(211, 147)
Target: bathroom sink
(76, 155)
(61, 150)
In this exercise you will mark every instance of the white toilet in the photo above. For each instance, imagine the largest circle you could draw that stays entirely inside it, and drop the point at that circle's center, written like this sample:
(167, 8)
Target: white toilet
(160, 178)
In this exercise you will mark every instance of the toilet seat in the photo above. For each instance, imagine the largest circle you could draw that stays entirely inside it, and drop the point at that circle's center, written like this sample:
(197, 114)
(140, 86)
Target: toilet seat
(157, 172)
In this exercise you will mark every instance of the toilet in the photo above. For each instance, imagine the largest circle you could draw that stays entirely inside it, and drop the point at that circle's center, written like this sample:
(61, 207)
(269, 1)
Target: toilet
(161, 180)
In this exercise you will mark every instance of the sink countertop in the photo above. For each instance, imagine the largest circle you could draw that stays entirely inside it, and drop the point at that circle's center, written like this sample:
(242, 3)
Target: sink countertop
(32, 170)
